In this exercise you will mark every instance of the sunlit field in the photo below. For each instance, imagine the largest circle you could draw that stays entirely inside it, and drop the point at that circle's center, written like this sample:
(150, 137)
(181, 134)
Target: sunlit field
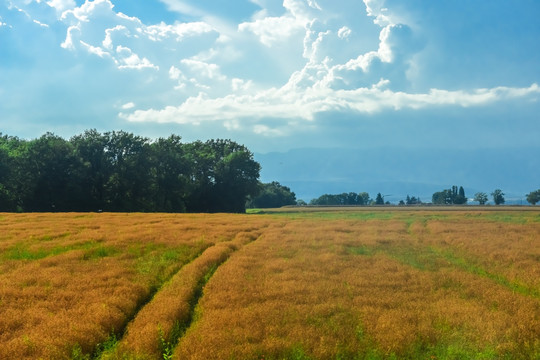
(355, 283)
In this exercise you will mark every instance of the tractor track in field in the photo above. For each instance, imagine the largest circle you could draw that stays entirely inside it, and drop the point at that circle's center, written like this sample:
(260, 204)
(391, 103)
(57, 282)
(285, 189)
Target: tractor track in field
(159, 323)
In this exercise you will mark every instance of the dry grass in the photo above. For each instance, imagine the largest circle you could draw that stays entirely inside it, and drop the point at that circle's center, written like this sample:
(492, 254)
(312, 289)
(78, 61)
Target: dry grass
(67, 281)
(156, 328)
(348, 284)
(369, 288)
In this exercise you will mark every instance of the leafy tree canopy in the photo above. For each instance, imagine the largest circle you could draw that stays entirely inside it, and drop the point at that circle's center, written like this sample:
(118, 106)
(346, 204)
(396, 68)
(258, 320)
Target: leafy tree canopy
(273, 195)
(120, 171)
(533, 197)
(481, 197)
(450, 196)
(351, 198)
(498, 196)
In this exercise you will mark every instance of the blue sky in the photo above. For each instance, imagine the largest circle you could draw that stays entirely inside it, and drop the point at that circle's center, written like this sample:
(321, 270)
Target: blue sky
(275, 75)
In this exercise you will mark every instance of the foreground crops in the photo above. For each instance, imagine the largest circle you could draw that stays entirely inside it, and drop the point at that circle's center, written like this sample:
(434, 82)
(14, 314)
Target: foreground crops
(337, 284)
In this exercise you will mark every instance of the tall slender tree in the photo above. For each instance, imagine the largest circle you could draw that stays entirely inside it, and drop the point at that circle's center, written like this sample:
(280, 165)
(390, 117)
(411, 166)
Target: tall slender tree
(498, 196)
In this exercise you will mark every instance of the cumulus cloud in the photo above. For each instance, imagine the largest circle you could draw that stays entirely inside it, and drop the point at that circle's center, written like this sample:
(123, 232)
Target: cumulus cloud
(92, 49)
(96, 28)
(277, 70)
(178, 31)
(129, 105)
(271, 30)
(126, 59)
(72, 33)
(344, 32)
(206, 70)
(366, 83)
(61, 5)
(280, 103)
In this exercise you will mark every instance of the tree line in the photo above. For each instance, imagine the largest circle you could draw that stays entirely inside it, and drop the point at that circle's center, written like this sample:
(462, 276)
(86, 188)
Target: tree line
(120, 171)
(453, 196)
(358, 199)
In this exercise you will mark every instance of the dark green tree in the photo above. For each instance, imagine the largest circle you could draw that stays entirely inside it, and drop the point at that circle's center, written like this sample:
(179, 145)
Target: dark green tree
(119, 171)
(273, 195)
(342, 199)
(442, 197)
(454, 195)
(18, 182)
(170, 171)
(379, 199)
(533, 197)
(352, 198)
(363, 198)
(412, 200)
(223, 175)
(460, 197)
(50, 163)
(128, 185)
(481, 197)
(498, 196)
(95, 170)
(6, 193)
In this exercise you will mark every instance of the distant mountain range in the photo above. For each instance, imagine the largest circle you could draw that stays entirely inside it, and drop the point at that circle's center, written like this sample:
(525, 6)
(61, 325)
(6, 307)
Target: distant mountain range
(397, 173)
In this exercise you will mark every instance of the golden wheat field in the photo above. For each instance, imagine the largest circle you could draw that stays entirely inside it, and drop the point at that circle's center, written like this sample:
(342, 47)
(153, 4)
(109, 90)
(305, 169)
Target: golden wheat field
(359, 283)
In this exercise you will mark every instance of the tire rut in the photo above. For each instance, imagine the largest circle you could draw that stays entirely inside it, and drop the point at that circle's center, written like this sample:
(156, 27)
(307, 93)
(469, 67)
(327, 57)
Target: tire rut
(157, 327)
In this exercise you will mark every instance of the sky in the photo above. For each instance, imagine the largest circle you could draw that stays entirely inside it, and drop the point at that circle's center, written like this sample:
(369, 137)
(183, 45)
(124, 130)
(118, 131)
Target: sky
(276, 75)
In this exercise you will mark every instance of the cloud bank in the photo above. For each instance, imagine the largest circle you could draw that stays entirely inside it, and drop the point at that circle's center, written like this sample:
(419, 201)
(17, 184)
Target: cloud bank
(277, 69)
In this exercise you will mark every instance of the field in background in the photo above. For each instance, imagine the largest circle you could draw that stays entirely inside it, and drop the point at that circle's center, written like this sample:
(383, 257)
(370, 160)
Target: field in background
(340, 283)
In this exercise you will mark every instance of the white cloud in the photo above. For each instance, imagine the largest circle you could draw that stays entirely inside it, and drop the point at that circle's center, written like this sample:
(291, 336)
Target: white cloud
(108, 41)
(314, 4)
(334, 74)
(88, 10)
(265, 130)
(97, 29)
(95, 50)
(294, 59)
(283, 104)
(62, 5)
(40, 23)
(175, 73)
(240, 85)
(179, 31)
(126, 59)
(377, 9)
(203, 69)
(344, 32)
(69, 43)
(271, 30)
(129, 105)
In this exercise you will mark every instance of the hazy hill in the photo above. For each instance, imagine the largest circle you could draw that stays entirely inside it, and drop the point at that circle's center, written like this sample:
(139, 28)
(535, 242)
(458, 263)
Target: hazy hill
(398, 172)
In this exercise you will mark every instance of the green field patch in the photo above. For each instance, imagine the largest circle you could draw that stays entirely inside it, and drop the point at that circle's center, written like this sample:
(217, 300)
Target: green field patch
(359, 250)
(25, 251)
(476, 269)
(22, 252)
(346, 213)
(433, 259)
(419, 258)
(509, 218)
(160, 262)
(50, 237)
(99, 252)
